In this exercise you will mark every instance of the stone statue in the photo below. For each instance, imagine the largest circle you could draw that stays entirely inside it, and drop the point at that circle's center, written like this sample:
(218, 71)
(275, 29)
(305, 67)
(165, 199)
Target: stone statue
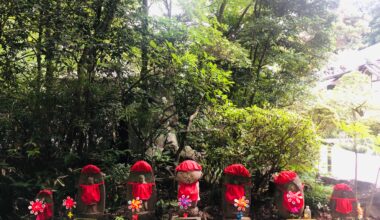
(188, 174)
(46, 195)
(289, 197)
(91, 202)
(342, 202)
(236, 185)
(141, 184)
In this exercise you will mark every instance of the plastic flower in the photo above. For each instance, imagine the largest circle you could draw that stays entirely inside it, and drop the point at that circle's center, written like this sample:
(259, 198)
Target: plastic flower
(241, 203)
(36, 207)
(184, 202)
(294, 198)
(135, 204)
(69, 203)
(70, 215)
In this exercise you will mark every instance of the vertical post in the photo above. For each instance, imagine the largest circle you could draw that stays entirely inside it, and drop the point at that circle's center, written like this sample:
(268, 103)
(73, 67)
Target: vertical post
(329, 159)
(372, 195)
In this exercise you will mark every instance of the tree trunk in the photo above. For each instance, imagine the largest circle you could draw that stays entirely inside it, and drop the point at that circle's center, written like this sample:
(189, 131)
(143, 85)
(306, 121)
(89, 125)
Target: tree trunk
(356, 175)
(144, 42)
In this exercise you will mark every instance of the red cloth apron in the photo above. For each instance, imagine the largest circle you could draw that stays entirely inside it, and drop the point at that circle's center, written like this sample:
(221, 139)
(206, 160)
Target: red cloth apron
(343, 205)
(142, 190)
(293, 201)
(47, 213)
(90, 193)
(190, 190)
(234, 191)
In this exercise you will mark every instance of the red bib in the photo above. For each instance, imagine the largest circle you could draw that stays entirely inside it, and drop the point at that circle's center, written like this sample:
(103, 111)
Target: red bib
(343, 205)
(142, 190)
(47, 213)
(190, 190)
(90, 193)
(234, 191)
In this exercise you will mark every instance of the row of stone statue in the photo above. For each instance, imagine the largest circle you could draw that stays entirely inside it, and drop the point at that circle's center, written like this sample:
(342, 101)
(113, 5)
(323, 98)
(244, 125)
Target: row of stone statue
(141, 193)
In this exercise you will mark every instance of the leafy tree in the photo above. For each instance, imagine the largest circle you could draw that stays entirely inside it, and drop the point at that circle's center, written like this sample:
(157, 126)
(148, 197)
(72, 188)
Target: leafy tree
(285, 40)
(358, 139)
(348, 103)
(373, 37)
(350, 30)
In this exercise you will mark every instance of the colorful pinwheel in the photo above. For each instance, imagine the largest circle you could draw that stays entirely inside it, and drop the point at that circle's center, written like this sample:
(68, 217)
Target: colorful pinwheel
(184, 202)
(69, 203)
(241, 203)
(135, 205)
(36, 207)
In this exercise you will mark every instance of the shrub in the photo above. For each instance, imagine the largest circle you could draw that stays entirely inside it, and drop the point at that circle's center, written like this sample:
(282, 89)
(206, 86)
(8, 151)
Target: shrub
(265, 141)
(316, 195)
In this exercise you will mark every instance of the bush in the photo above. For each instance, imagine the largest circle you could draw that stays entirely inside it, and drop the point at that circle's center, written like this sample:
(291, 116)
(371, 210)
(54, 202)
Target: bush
(265, 141)
(317, 195)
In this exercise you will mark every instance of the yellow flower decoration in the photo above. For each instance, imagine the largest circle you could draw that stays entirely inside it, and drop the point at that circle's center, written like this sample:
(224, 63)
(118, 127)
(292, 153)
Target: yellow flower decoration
(70, 215)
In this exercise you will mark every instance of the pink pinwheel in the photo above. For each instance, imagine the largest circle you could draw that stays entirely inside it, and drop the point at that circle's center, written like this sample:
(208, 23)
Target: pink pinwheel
(36, 207)
(69, 203)
(184, 202)
(294, 198)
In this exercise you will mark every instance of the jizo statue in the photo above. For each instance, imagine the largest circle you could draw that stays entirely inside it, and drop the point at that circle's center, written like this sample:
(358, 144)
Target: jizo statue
(236, 189)
(289, 197)
(141, 185)
(342, 202)
(91, 201)
(46, 195)
(188, 174)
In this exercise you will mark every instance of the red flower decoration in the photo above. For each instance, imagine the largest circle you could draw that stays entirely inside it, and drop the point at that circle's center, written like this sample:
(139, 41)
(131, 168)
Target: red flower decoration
(36, 207)
(69, 203)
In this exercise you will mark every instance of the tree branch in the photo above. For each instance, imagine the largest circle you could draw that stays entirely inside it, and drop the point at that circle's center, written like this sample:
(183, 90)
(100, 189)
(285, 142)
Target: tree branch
(188, 127)
(235, 27)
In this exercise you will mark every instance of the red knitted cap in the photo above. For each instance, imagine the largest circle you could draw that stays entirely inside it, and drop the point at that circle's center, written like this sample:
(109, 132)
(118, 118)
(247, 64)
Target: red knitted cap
(45, 192)
(284, 177)
(188, 165)
(237, 170)
(342, 187)
(141, 166)
(90, 169)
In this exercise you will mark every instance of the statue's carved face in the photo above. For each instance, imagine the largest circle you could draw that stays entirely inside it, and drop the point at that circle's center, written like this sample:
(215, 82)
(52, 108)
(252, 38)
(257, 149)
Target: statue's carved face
(142, 179)
(292, 187)
(90, 180)
(188, 177)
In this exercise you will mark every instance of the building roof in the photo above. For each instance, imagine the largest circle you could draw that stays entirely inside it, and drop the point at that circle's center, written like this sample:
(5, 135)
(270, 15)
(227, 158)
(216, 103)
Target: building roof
(366, 61)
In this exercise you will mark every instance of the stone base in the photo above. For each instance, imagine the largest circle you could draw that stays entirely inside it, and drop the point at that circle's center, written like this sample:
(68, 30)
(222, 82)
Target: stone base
(185, 218)
(146, 215)
(95, 216)
(243, 218)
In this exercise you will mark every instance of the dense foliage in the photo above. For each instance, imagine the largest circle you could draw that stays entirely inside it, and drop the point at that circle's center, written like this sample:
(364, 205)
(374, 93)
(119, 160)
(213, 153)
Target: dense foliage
(266, 141)
(103, 82)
